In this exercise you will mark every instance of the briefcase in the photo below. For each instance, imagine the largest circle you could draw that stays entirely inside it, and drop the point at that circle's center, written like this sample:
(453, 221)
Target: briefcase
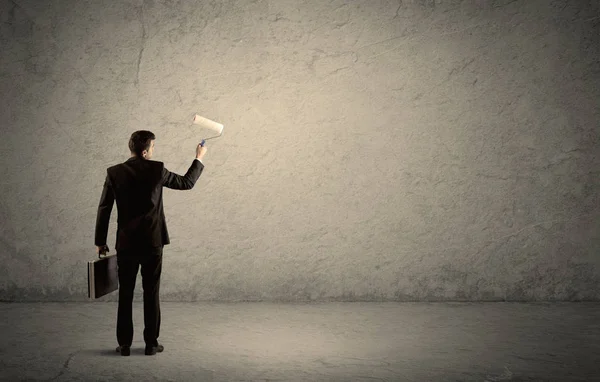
(103, 277)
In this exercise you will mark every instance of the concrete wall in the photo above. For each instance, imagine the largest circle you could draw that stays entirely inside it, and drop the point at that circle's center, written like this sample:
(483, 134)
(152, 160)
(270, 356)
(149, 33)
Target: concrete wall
(415, 150)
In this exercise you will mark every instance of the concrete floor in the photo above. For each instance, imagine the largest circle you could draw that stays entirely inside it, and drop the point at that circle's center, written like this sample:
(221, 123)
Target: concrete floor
(307, 342)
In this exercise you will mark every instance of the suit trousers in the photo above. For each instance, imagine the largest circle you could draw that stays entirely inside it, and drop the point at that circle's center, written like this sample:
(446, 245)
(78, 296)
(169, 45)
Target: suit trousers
(128, 264)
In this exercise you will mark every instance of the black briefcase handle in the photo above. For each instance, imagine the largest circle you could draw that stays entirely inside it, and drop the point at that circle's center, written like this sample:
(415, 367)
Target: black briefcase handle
(103, 252)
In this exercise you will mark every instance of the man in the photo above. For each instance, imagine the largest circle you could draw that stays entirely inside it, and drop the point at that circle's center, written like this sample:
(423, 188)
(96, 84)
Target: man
(137, 185)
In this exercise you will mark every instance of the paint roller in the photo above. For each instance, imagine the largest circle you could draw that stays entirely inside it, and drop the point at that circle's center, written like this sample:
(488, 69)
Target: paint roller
(212, 126)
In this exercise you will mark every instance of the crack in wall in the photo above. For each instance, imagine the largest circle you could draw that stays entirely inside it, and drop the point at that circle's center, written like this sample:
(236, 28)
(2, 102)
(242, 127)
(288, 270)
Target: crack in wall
(144, 38)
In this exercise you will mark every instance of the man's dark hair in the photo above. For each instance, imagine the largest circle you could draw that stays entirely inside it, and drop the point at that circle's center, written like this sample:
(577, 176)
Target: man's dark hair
(140, 141)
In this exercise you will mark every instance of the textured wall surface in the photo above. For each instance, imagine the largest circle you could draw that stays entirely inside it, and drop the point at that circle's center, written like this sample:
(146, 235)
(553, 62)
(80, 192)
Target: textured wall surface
(396, 150)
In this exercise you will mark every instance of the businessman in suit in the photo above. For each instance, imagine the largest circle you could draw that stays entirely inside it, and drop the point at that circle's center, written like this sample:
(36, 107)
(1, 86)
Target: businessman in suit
(136, 185)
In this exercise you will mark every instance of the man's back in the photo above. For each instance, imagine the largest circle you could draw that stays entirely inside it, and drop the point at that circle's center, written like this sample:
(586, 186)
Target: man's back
(136, 185)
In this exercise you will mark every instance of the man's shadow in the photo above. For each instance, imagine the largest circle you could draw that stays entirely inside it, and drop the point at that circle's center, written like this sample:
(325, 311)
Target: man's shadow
(111, 352)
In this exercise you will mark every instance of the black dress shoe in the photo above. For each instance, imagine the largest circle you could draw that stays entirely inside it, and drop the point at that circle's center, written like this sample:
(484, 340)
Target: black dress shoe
(124, 350)
(151, 350)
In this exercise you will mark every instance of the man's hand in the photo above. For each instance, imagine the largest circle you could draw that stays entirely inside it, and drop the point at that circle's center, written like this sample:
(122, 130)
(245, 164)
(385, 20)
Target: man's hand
(200, 151)
(102, 250)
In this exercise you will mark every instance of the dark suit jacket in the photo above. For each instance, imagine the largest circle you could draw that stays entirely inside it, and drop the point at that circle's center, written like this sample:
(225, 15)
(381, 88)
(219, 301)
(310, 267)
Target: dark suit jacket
(137, 185)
